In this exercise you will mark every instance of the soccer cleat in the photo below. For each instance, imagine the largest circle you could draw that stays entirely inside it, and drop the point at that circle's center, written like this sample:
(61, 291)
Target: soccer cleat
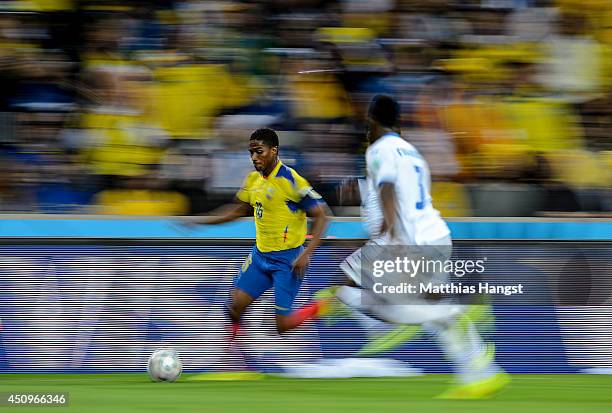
(330, 309)
(235, 329)
(323, 308)
(481, 389)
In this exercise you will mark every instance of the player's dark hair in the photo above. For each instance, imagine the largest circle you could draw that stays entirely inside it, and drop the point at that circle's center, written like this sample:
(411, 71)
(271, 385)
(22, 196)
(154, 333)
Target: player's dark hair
(385, 110)
(266, 135)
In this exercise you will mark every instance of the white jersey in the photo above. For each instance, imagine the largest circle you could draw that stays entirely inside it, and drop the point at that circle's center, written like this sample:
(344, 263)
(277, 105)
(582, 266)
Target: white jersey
(393, 160)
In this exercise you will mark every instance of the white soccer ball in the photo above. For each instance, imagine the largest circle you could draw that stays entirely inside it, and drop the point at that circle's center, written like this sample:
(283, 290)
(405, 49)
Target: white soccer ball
(164, 365)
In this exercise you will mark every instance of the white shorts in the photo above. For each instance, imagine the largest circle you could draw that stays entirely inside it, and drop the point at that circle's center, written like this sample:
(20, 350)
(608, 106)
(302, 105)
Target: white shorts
(352, 267)
(411, 309)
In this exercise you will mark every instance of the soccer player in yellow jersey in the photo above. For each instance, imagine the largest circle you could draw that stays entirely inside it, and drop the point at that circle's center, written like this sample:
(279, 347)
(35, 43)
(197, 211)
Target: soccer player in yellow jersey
(280, 200)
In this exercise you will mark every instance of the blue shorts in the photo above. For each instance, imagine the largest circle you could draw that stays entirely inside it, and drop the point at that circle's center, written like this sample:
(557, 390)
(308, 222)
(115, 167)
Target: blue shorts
(262, 270)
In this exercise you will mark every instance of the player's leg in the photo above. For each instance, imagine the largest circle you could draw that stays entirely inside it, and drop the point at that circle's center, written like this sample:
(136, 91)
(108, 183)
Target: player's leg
(321, 306)
(240, 300)
(250, 284)
(477, 373)
(473, 359)
(310, 311)
(418, 312)
(286, 288)
(381, 336)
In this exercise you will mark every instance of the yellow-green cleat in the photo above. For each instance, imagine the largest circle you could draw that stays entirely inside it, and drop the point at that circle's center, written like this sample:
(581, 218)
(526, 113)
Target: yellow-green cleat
(482, 389)
(331, 310)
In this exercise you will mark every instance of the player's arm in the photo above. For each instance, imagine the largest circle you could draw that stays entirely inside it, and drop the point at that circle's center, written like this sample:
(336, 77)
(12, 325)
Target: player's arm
(316, 208)
(226, 213)
(240, 208)
(318, 213)
(320, 219)
(389, 207)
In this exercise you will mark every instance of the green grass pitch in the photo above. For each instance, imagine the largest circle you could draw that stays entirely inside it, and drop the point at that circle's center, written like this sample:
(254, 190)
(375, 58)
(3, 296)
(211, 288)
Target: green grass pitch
(126, 393)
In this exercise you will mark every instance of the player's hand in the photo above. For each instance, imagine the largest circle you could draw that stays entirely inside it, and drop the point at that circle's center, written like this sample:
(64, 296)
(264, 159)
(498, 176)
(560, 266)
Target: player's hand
(301, 264)
(392, 232)
(185, 225)
(389, 232)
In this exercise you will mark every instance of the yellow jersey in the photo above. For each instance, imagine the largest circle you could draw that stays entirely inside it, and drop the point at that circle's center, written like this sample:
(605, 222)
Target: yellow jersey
(279, 202)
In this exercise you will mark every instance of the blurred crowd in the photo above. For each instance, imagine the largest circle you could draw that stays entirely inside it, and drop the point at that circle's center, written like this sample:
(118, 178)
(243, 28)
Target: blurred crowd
(145, 107)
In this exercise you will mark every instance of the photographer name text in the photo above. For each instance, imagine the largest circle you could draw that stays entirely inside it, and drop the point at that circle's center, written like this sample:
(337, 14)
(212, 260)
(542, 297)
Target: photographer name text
(448, 288)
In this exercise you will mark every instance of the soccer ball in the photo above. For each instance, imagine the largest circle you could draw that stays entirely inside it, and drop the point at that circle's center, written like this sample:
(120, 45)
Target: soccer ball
(164, 365)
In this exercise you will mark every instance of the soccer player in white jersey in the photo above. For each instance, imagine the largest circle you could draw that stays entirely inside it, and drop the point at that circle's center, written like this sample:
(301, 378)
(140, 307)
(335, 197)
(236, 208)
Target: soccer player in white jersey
(398, 211)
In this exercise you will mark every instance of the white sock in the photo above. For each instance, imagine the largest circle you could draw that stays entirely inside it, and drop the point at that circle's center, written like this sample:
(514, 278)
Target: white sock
(464, 348)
